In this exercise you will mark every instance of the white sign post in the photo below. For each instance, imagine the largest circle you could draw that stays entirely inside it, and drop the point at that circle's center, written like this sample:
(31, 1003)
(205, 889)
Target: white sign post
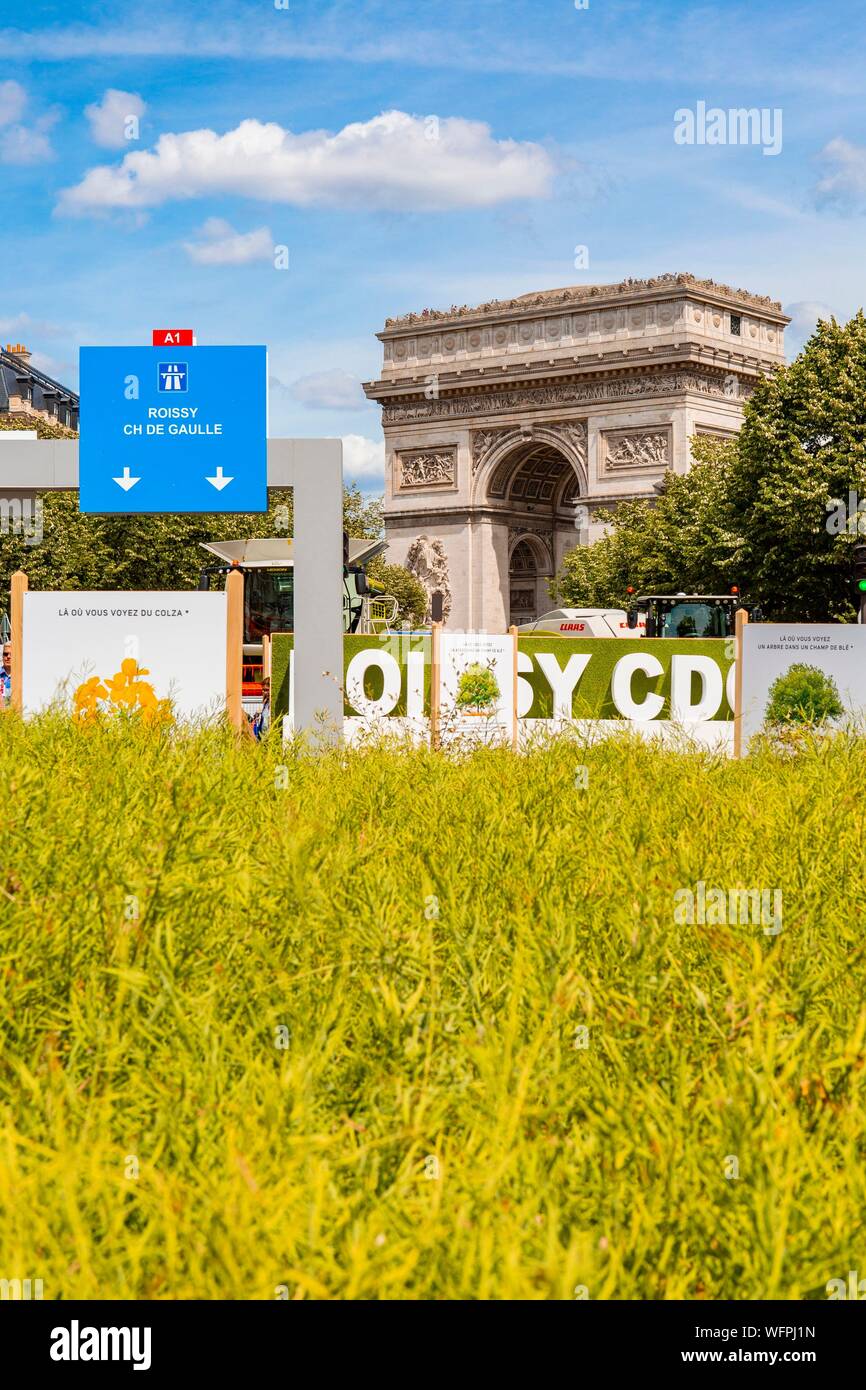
(179, 638)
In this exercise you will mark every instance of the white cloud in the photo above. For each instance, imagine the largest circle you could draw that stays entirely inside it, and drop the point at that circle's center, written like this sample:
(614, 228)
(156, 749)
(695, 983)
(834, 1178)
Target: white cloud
(395, 161)
(753, 199)
(112, 119)
(844, 183)
(22, 326)
(804, 315)
(21, 144)
(703, 41)
(53, 366)
(250, 40)
(222, 245)
(333, 390)
(13, 100)
(363, 458)
(806, 312)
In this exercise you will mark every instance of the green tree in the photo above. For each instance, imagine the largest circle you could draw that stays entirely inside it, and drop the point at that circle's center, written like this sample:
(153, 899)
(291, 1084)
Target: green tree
(141, 552)
(45, 429)
(404, 587)
(803, 695)
(682, 540)
(477, 688)
(362, 515)
(803, 443)
(754, 511)
(132, 552)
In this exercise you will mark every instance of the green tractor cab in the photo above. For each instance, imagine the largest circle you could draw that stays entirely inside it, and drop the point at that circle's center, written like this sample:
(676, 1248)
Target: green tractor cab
(268, 568)
(689, 615)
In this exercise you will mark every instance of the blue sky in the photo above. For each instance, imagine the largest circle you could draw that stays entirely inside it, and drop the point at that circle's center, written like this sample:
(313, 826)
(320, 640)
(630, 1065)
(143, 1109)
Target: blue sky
(407, 155)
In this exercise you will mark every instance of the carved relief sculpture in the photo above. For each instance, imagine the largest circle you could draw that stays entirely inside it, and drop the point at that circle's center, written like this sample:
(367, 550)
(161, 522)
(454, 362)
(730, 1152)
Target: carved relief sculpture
(425, 468)
(485, 440)
(637, 449)
(571, 394)
(572, 432)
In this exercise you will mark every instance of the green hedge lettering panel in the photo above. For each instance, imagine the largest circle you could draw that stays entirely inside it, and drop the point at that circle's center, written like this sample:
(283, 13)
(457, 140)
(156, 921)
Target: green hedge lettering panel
(591, 699)
(397, 647)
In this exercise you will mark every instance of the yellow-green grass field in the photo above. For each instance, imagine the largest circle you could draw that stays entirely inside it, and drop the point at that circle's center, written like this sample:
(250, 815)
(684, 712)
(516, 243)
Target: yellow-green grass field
(412, 1026)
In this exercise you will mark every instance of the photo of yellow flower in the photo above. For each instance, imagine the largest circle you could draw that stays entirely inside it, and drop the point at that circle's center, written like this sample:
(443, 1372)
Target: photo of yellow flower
(125, 690)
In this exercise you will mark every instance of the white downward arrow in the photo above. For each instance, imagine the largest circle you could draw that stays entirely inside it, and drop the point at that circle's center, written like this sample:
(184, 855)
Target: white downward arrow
(126, 482)
(219, 482)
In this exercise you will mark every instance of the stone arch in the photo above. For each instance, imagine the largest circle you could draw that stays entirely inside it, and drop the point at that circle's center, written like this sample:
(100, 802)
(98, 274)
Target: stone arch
(530, 540)
(530, 568)
(528, 482)
(496, 452)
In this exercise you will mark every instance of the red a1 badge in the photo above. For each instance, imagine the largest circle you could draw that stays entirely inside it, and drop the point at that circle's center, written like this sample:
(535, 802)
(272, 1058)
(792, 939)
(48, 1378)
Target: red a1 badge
(173, 337)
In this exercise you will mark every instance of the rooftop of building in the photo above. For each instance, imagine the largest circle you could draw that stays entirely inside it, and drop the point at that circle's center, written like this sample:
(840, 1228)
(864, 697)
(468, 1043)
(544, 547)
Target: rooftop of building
(579, 294)
(26, 390)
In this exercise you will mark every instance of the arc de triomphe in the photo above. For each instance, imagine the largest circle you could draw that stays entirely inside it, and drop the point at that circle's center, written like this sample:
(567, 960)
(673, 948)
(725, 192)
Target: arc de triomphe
(507, 426)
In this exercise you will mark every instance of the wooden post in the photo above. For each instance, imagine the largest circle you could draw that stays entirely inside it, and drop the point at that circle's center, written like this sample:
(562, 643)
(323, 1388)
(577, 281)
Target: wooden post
(17, 590)
(234, 647)
(266, 654)
(513, 631)
(435, 681)
(740, 620)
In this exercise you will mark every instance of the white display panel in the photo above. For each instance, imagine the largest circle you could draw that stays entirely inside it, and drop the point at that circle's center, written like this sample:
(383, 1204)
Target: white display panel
(771, 649)
(484, 662)
(179, 638)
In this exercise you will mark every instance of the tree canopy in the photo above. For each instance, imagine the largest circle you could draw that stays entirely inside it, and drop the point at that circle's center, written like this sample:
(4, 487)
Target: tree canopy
(756, 511)
(138, 552)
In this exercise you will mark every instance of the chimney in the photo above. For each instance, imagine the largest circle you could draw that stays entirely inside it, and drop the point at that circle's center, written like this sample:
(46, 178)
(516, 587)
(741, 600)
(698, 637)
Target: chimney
(20, 351)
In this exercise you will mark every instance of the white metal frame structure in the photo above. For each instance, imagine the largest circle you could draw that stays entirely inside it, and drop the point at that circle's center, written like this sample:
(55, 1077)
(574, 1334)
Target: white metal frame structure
(313, 468)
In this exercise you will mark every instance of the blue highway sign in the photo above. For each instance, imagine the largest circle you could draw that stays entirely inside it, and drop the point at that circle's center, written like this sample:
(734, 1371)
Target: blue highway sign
(184, 433)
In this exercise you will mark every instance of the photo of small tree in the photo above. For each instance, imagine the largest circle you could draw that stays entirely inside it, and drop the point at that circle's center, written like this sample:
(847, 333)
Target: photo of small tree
(803, 695)
(477, 690)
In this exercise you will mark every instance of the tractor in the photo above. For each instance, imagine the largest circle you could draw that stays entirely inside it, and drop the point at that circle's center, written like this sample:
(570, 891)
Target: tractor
(269, 592)
(688, 615)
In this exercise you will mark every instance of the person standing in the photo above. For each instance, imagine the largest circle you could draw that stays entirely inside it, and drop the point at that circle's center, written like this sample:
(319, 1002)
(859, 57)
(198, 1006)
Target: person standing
(262, 721)
(6, 677)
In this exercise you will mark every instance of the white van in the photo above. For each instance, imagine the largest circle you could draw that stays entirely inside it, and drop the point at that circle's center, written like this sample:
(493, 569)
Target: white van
(585, 622)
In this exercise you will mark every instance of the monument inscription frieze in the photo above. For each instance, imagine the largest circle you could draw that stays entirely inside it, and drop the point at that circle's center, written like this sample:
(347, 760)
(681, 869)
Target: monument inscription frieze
(566, 393)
